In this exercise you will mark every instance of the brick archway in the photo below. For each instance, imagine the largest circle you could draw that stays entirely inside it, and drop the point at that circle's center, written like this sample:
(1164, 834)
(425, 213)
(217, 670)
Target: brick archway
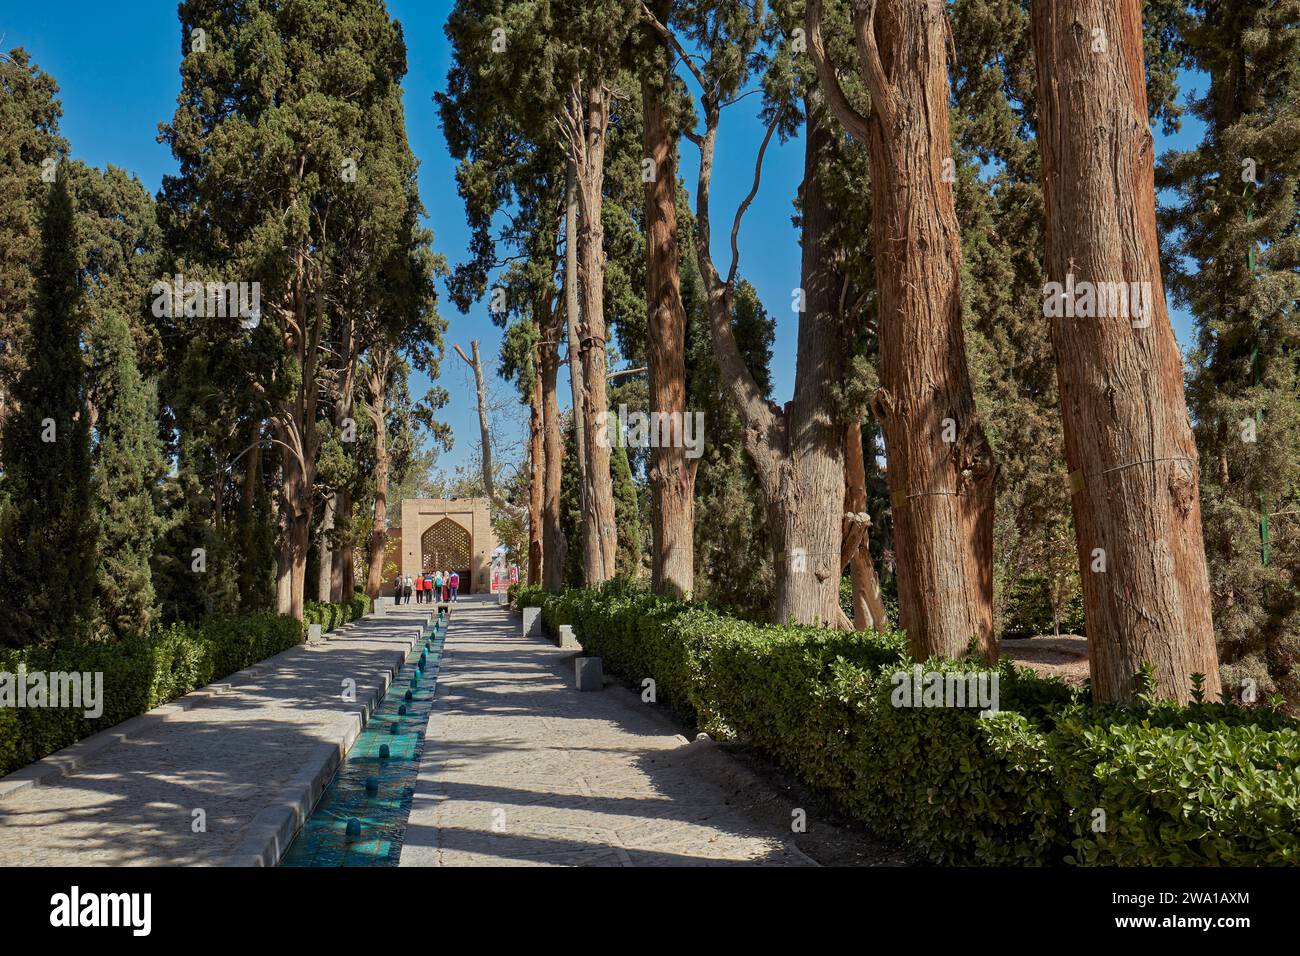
(448, 546)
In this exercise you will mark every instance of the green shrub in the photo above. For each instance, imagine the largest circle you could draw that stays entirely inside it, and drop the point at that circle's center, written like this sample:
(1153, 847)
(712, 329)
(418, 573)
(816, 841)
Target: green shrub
(139, 674)
(1204, 784)
(330, 616)
(526, 595)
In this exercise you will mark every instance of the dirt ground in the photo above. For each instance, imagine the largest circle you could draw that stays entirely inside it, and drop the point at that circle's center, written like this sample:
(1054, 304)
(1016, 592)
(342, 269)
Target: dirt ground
(1065, 657)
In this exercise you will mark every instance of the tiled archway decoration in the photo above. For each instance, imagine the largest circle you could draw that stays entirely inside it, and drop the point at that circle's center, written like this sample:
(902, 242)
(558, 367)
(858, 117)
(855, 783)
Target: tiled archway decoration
(445, 546)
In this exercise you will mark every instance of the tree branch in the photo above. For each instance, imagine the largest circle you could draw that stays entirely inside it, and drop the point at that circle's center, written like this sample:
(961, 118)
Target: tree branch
(853, 121)
(740, 211)
(873, 71)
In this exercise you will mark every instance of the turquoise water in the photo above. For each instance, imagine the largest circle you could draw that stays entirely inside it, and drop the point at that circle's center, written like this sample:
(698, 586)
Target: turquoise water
(382, 810)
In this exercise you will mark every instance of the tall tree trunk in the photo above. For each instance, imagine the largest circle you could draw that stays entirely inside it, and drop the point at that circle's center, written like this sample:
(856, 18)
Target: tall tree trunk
(283, 569)
(326, 571)
(296, 499)
(342, 576)
(600, 541)
(536, 470)
(554, 547)
(573, 313)
(797, 452)
(868, 605)
(812, 477)
(1128, 441)
(941, 474)
(484, 426)
(295, 429)
(375, 407)
(672, 475)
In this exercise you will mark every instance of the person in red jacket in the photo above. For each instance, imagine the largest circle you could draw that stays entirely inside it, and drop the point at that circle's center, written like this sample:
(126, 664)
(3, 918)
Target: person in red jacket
(455, 584)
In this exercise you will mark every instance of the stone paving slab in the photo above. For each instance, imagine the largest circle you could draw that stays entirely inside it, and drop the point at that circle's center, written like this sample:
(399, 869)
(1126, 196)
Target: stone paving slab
(520, 769)
(253, 753)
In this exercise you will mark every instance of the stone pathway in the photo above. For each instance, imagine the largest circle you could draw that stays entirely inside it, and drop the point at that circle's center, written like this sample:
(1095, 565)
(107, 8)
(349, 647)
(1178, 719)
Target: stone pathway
(521, 769)
(248, 756)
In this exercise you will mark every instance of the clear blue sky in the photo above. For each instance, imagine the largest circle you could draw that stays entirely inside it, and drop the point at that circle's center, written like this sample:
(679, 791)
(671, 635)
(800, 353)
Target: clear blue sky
(118, 72)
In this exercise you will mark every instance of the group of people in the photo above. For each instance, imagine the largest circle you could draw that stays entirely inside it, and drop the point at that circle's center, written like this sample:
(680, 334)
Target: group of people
(428, 588)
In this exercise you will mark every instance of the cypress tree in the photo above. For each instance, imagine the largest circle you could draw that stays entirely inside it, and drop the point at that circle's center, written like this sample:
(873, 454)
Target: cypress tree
(29, 137)
(128, 464)
(47, 567)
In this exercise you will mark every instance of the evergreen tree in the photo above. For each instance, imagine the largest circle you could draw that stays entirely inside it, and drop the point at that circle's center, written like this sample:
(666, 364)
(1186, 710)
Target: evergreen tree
(626, 515)
(1232, 256)
(47, 568)
(29, 139)
(128, 465)
(294, 173)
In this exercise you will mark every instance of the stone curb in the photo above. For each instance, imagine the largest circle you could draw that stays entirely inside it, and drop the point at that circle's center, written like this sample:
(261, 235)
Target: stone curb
(269, 834)
(63, 762)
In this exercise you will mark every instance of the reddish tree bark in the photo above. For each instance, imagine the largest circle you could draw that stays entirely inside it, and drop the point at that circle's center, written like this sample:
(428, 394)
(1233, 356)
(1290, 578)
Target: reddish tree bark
(536, 472)
(868, 605)
(672, 475)
(554, 546)
(376, 384)
(940, 468)
(586, 124)
(1128, 440)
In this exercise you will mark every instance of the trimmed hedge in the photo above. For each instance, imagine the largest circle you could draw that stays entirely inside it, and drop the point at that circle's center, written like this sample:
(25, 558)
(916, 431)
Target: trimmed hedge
(1049, 779)
(330, 616)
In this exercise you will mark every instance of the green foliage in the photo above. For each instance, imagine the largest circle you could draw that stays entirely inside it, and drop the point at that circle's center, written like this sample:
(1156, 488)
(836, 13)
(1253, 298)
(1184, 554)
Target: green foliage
(330, 616)
(128, 465)
(1201, 785)
(29, 136)
(139, 673)
(626, 516)
(526, 595)
(47, 563)
(1245, 379)
(1029, 610)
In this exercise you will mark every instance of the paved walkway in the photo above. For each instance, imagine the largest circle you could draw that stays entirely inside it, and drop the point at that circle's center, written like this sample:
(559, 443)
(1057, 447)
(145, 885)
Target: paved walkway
(521, 769)
(249, 756)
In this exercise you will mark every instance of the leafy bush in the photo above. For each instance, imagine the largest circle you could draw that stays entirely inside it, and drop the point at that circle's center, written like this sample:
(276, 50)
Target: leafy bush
(330, 616)
(139, 674)
(526, 595)
(1198, 785)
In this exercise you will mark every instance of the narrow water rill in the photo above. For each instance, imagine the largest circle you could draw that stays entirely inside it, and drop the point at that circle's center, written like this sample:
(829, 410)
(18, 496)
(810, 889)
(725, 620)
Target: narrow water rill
(361, 818)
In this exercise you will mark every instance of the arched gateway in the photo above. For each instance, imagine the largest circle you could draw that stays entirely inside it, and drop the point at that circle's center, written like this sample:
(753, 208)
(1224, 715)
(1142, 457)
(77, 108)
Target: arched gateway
(444, 534)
